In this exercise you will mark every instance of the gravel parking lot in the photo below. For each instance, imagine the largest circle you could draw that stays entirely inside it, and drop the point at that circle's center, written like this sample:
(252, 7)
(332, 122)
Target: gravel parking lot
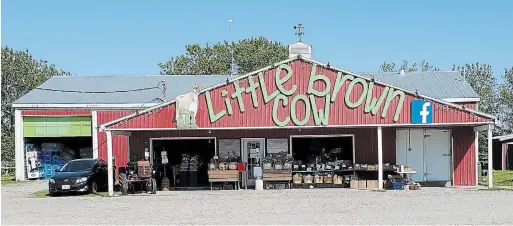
(325, 206)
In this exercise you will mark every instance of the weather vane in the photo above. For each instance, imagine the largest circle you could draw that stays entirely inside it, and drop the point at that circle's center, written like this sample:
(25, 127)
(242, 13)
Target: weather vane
(299, 33)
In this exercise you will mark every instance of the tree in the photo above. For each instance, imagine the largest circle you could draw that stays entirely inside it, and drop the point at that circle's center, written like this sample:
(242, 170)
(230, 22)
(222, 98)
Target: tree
(20, 74)
(424, 66)
(506, 100)
(481, 79)
(248, 55)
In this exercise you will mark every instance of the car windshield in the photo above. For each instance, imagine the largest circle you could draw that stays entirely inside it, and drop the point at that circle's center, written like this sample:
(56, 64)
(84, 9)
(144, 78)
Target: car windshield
(78, 165)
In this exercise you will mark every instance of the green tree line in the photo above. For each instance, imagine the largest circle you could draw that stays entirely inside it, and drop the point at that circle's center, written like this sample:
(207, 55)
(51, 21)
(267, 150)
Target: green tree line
(21, 73)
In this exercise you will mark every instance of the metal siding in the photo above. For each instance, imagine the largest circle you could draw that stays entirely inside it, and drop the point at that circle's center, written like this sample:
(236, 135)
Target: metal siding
(119, 143)
(435, 84)
(366, 149)
(339, 114)
(464, 156)
(55, 112)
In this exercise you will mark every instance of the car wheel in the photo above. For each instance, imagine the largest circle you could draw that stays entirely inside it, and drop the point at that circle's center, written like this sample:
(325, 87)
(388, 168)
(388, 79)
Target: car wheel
(94, 187)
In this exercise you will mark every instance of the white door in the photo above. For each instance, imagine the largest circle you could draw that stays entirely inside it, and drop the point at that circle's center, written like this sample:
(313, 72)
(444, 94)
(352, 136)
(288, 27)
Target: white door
(438, 155)
(415, 154)
(252, 153)
(410, 151)
(401, 144)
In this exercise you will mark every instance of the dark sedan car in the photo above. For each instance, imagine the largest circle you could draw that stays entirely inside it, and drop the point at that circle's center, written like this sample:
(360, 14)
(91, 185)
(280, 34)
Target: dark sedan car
(80, 175)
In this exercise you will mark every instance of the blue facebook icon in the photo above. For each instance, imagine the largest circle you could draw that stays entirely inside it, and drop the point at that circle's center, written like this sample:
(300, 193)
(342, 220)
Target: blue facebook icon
(421, 112)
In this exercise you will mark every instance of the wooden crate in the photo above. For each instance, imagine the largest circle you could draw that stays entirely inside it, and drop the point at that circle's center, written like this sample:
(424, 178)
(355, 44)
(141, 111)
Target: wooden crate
(223, 175)
(277, 177)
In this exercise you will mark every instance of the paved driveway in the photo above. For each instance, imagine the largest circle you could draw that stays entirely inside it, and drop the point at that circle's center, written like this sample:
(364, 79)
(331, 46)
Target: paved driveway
(322, 206)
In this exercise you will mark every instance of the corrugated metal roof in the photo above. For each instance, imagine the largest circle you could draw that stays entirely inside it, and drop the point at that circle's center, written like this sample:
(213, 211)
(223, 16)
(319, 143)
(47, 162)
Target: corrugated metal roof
(435, 84)
(176, 85)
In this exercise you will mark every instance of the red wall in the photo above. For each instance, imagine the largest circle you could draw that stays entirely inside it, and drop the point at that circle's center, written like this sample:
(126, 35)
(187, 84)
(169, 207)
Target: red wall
(119, 143)
(464, 156)
(366, 144)
(339, 114)
(504, 156)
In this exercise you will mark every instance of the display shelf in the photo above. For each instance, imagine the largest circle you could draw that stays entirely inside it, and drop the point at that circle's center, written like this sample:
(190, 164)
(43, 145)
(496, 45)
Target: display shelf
(320, 171)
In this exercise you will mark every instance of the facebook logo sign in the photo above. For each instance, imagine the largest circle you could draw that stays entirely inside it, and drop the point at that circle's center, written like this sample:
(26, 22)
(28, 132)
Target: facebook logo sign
(421, 112)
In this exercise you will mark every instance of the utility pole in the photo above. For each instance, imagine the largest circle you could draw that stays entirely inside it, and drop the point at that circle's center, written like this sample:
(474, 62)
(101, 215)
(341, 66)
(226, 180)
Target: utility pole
(232, 62)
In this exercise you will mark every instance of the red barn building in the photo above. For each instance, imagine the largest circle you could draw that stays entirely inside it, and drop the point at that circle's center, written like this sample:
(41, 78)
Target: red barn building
(426, 120)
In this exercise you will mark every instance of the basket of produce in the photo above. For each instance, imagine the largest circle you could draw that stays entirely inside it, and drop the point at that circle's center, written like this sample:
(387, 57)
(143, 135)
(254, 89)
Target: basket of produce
(232, 165)
(318, 179)
(278, 165)
(267, 163)
(212, 166)
(223, 166)
(267, 166)
(297, 178)
(328, 179)
(287, 163)
(337, 179)
(308, 179)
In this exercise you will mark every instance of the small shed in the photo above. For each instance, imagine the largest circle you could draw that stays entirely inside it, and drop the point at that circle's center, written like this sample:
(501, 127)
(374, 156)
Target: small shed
(503, 152)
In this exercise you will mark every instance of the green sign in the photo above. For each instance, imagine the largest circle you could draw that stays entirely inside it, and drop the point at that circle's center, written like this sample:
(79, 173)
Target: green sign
(283, 97)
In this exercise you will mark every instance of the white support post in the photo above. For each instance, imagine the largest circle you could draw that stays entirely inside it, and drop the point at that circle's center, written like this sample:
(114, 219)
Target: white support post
(19, 155)
(110, 170)
(490, 157)
(476, 150)
(380, 158)
(94, 121)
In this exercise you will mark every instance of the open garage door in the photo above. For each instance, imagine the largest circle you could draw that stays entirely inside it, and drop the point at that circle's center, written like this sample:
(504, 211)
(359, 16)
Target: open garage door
(44, 126)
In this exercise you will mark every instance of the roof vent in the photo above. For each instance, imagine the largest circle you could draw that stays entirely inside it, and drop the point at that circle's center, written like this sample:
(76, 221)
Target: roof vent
(300, 48)
(401, 72)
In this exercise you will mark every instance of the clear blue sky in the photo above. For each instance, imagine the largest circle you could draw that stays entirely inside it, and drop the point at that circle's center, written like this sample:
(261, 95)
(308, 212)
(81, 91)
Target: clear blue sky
(132, 37)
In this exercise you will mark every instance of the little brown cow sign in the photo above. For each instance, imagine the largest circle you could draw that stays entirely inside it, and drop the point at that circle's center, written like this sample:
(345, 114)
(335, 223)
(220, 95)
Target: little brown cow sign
(297, 94)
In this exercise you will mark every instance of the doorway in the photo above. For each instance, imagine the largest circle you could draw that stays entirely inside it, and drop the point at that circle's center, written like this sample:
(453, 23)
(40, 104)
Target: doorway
(427, 151)
(183, 161)
(252, 153)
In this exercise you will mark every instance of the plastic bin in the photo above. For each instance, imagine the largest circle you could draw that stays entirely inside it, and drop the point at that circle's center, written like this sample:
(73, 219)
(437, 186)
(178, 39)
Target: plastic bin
(47, 157)
(48, 171)
(397, 186)
(56, 159)
(41, 172)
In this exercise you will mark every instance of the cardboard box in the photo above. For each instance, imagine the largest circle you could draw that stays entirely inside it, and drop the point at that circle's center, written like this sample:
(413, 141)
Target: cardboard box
(372, 184)
(353, 184)
(362, 184)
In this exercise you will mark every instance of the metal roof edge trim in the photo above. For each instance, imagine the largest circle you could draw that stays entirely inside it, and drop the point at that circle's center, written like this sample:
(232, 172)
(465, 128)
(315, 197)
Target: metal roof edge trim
(312, 127)
(87, 106)
(503, 137)
(103, 126)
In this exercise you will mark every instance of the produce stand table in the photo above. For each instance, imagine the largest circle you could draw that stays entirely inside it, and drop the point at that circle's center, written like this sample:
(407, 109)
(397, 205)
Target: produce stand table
(277, 176)
(223, 176)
